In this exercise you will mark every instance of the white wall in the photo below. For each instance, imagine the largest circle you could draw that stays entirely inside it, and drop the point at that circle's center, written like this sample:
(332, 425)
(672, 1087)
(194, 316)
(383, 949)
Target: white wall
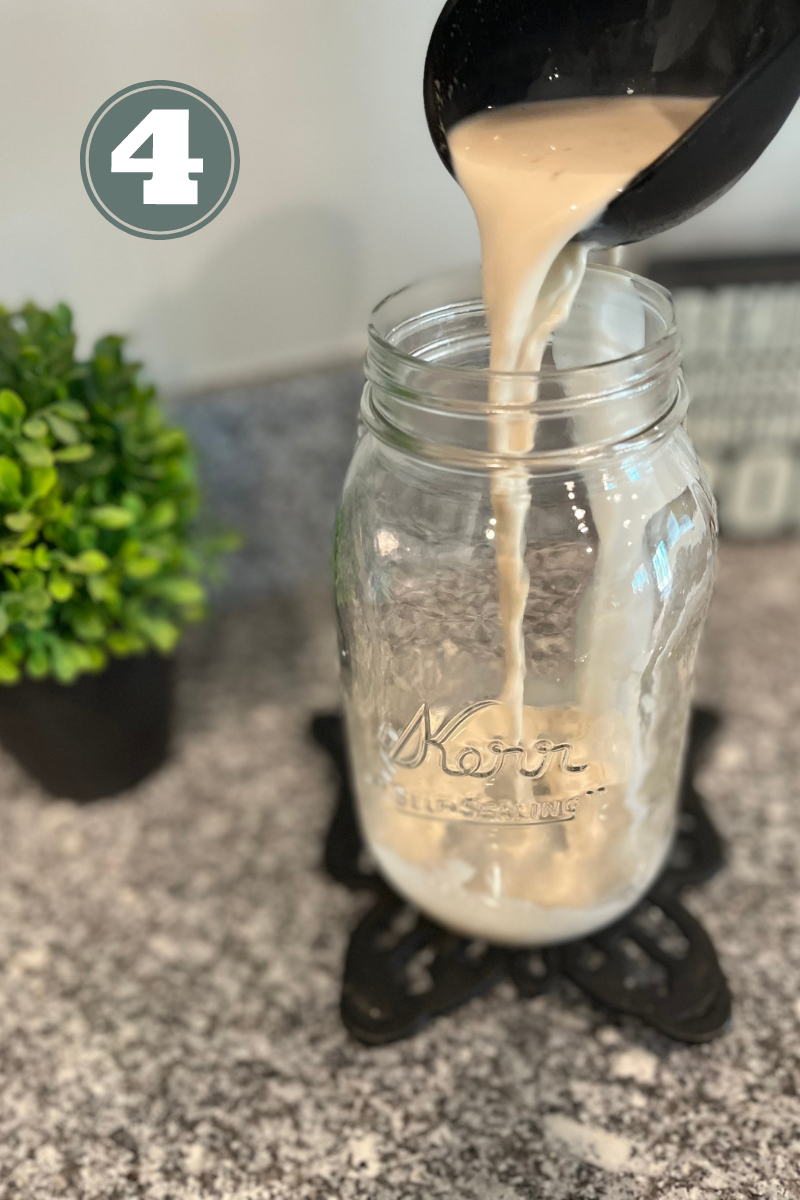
(341, 197)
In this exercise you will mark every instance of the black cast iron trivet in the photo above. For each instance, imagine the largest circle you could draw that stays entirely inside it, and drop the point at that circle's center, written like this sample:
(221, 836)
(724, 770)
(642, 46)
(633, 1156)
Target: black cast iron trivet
(657, 963)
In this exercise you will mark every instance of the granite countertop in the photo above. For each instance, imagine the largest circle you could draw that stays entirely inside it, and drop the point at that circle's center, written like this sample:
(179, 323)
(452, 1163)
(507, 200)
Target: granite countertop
(170, 964)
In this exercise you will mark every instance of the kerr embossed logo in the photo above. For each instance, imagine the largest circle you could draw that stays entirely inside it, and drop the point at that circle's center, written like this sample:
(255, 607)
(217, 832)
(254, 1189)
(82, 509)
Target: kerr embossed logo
(478, 762)
(458, 748)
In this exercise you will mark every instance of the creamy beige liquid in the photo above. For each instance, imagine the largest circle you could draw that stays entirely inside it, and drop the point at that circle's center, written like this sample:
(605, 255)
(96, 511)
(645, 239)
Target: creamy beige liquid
(536, 175)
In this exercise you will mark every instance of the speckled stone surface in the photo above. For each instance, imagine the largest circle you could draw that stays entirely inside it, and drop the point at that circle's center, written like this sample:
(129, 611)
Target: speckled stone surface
(169, 970)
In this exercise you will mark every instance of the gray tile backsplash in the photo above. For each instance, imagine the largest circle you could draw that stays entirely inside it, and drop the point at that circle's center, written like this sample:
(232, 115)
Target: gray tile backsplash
(272, 459)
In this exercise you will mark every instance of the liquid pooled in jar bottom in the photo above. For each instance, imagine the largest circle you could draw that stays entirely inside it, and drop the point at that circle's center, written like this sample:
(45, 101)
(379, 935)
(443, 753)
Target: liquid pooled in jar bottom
(544, 849)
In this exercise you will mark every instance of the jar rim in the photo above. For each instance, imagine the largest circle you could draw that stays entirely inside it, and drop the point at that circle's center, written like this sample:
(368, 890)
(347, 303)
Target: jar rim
(383, 351)
(450, 411)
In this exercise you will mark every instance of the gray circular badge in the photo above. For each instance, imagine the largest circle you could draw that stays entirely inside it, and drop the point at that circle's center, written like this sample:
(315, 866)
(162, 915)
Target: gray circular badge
(159, 159)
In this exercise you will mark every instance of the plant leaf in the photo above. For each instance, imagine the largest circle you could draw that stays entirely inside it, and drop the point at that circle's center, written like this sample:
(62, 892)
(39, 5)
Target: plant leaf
(9, 672)
(35, 428)
(162, 515)
(34, 453)
(74, 454)
(72, 410)
(65, 431)
(98, 658)
(90, 562)
(180, 591)
(38, 663)
(103, 589)
(170, 441)
(60, 588)
(43, 480)
(20, 521)
(15, 556)
(134, 504)
(161, 632)
(37, 600)
(66, 660)
(125, 642)
(111, 516)
(88, 626)
(142, 568)
(35, 622)
(12, 409)
(10, 478)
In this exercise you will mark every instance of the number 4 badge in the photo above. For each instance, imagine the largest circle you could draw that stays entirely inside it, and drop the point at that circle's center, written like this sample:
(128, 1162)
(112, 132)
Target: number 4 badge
(170, 164)
(159, 159)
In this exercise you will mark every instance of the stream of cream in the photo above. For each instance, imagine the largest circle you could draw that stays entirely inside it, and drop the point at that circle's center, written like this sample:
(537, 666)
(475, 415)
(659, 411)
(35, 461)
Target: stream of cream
(537, 175)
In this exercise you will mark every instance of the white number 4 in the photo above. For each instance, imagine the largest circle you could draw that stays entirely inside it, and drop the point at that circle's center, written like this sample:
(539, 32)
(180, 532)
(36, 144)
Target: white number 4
(170, 164)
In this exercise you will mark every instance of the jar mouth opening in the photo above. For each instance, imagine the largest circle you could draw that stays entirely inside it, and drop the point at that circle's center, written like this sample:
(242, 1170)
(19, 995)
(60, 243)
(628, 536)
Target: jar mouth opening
(430, 334)
(611, 374)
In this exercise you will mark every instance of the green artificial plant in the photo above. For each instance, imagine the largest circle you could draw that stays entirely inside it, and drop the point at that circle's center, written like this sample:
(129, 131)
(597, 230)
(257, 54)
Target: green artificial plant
(97, 502)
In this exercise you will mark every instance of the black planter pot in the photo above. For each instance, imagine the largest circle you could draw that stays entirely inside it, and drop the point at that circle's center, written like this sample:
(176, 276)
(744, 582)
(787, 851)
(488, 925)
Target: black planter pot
(95, 737)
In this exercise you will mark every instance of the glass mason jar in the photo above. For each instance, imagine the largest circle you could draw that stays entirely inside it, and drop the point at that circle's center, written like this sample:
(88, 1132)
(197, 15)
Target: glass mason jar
(530, 799)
